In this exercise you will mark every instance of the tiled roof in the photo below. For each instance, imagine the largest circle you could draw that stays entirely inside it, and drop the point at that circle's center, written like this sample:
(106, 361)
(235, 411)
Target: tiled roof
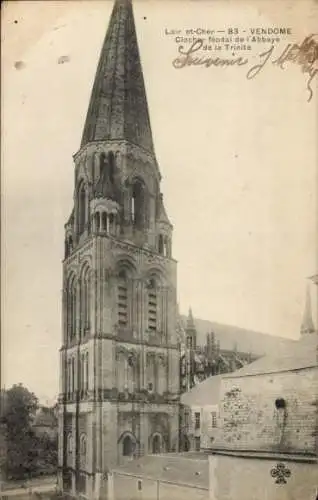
(178, 468)
(205, 393)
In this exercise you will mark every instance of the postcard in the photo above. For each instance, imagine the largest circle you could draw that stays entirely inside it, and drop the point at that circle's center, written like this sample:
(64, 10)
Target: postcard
(159, 249)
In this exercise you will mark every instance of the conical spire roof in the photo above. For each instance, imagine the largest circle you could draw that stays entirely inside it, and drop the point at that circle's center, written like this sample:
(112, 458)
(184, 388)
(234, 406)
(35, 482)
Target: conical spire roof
(118, 106)
(190, 321)
(307, 325)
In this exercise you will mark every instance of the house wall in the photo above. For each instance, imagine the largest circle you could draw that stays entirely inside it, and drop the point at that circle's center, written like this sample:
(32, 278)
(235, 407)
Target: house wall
(208, 430)
(250, 419)
(251, 479)
(127, 487)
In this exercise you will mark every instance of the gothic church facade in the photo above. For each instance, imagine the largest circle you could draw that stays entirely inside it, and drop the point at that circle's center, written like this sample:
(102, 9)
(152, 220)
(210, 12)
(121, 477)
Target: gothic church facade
(119, 382)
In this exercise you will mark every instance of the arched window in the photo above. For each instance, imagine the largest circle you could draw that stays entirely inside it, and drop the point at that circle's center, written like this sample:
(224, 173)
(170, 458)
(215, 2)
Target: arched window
(70, 444)
(83, 452)
(161, 245)
(82, 212)
(128, 446)
(73, 375)
(86, 371)
(111, 162)
(166, 247)
(138, 206)
(152, 305)
(104, 222)
(111, 223)
(133, 208)
(151, 373)
(161, 375)
(130, 373)
(82, 376)
(83, 445)
(69, 378)
(102, 164)
(71, 308)
(156, 444)
(122, 299)
(107, 166)
(85, 302)
(97, 222)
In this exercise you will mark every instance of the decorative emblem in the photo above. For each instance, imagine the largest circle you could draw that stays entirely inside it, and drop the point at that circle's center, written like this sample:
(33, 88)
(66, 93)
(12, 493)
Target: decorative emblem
(280, 472)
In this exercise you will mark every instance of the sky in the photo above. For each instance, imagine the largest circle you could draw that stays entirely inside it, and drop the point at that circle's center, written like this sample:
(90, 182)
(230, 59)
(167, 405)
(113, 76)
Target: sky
(238, 159)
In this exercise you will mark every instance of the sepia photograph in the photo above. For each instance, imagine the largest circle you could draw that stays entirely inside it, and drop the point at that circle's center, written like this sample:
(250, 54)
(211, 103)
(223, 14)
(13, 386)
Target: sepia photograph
(159, 312)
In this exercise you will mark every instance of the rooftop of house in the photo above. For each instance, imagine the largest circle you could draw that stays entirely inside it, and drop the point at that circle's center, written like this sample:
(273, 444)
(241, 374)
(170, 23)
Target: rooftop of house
(205, 393)
(179, 468)
(300, 355)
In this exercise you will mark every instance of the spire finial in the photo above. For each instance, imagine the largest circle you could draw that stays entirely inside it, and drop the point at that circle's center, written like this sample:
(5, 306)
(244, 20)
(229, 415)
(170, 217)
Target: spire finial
(190, 321)
(307, 325)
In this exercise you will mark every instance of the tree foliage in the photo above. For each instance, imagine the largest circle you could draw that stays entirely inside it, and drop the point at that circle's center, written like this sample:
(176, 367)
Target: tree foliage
(28, 453)
(19, 409)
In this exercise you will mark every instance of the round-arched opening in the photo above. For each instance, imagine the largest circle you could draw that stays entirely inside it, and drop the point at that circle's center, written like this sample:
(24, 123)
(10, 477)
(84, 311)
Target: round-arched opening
(156, 444)
(138, 204)
(82, 209)
(111, 161)
(161, 245)
(97, 222)
(128, 446)
(280, 404)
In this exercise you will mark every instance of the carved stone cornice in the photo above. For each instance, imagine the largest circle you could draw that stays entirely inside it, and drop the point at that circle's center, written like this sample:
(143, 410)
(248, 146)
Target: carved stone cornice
(113, 395)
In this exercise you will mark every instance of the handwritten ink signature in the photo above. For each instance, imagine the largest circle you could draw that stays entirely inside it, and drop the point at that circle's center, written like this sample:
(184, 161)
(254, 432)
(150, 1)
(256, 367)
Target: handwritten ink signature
(305, 55)
(187, 58)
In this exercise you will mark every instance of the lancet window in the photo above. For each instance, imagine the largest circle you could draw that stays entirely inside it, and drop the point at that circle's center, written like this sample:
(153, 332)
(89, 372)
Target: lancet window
(122, 299)
(71, 300)
(82, 208)
(85, 299)
(138, 205)
(152, 304)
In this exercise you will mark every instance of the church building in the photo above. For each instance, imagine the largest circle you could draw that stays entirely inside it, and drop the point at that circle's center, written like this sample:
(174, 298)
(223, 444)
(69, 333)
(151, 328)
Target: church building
(199, 362)
(119, 360)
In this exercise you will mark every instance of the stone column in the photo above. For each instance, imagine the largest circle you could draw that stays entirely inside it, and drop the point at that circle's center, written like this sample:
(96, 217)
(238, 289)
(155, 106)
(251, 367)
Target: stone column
(144, 433)
(73, 461)
(78, 310)
(61, 436)
(65, 306)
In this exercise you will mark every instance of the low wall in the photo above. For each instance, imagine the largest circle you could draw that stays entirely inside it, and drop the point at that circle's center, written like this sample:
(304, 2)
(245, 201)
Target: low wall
(262, 477)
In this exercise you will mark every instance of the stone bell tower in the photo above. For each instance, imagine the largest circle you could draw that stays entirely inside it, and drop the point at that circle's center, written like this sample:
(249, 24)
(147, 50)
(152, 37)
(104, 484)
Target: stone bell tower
(119, 362)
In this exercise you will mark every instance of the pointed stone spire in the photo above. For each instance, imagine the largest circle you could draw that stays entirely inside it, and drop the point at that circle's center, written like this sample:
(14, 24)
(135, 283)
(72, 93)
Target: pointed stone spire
(191, 333)
(118, 108)
(190, 321)
(307, 325)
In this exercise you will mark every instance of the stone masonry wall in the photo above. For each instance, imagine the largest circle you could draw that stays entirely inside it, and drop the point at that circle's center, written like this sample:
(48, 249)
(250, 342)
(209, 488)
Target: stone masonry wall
(251, 421)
